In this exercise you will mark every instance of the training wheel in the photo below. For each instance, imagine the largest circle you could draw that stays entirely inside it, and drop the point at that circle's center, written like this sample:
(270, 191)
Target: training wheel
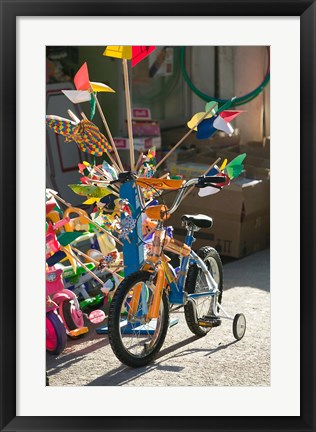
(239, 326)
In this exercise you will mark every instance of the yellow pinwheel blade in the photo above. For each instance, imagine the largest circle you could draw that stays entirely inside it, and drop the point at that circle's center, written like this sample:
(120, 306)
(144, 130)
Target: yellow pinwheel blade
(223, 165)
(91, 200)
(123, 52)
(100, 87)
(196, 119)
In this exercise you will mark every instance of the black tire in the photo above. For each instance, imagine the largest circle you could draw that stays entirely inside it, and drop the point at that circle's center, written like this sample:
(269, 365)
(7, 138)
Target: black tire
(68, 309)
(239, 326)
(131, 346)
(194, 283)
(56, 338)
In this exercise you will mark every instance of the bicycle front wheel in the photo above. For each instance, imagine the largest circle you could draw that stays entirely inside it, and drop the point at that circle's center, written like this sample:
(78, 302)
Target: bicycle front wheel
(135, 339)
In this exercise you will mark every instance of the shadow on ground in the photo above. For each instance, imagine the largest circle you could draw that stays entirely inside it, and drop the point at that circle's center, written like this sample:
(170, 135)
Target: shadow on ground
(124, 375)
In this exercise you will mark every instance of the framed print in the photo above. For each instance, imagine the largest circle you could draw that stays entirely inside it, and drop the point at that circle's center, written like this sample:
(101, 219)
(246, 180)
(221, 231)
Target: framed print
(31, 33)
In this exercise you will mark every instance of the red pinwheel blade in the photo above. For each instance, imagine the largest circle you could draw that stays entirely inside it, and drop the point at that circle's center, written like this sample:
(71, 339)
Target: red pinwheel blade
(81, 79)
(229, 115)
(140, 52)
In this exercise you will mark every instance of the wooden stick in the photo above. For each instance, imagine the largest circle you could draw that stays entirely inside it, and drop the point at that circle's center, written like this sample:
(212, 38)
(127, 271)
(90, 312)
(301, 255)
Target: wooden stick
(105, 177)
(139, 161)
(129, 115)
(107, 130)
(84, 116)
(164, 176)
(106, 183)
(79, 252)
(73, 116)
(85, 256)
(183, 138)
(82, 265)
(90, 220)
(205, 172)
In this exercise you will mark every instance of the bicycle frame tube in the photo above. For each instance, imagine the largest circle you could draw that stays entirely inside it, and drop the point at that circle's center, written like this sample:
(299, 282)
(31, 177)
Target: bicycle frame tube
(160, 283)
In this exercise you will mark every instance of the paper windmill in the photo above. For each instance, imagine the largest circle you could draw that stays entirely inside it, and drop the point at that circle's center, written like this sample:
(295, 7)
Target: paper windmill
(213, 119)
(134, 53)
(235, 167)
(85, 87)
(228, 171)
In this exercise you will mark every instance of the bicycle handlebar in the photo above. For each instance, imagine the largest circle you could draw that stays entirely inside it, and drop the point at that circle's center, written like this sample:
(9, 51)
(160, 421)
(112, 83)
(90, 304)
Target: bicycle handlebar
(215, 181)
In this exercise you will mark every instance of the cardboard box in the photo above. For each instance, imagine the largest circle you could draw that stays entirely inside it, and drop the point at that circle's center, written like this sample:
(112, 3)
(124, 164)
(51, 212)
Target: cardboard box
(145, 128)
(230, 238)
(140, 143)
(241, 216)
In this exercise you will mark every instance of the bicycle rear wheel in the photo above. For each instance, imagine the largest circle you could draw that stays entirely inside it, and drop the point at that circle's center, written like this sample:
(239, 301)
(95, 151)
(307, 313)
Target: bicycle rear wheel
(196, 283)
(134, 339)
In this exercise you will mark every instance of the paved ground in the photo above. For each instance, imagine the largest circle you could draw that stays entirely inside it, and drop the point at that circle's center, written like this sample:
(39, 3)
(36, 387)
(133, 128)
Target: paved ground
(220, 359)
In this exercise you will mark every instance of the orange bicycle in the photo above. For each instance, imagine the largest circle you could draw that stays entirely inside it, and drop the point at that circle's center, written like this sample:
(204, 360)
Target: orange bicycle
(139, 314)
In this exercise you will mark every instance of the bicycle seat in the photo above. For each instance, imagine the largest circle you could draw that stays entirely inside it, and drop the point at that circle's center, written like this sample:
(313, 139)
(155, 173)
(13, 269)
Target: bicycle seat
(199, 220)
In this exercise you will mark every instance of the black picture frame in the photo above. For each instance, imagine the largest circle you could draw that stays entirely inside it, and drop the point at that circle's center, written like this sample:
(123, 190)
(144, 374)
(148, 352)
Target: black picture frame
(306, 10)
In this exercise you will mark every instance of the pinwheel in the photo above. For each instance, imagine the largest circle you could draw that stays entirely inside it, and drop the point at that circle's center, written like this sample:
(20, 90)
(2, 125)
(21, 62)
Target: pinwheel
(228, 171)
(217, 119)
(235, 167)
(85, 89)
(193, 124)
(135, 54)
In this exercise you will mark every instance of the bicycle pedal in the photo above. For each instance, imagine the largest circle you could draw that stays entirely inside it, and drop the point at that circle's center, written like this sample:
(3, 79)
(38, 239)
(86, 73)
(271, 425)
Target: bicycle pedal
(78, 331)
(209, 321)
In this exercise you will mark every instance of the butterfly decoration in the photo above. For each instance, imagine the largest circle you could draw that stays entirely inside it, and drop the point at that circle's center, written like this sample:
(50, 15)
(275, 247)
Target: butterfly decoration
(85, 133)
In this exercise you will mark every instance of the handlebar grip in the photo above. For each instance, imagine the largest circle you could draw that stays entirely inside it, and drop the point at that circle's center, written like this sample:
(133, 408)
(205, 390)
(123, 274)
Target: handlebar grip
(217, 181)
(212, 179)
